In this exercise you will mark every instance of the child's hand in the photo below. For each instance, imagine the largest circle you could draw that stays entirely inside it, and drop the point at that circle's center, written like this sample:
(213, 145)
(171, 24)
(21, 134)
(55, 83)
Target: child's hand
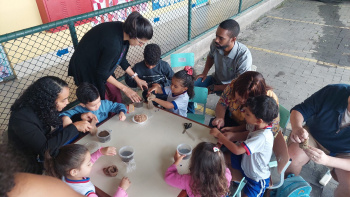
(214, 132)
(110, 150)
(125, 183)
(229, 135)
(66, 121)
(151, 97)
(178, 158)
(155, 87)
(122, 116)
(89, 117)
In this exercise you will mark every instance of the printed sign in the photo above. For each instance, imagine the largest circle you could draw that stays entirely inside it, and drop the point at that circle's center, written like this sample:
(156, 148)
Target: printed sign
(156, 4)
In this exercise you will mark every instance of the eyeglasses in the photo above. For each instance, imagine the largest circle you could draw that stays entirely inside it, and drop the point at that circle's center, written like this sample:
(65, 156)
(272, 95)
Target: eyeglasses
(140, 42)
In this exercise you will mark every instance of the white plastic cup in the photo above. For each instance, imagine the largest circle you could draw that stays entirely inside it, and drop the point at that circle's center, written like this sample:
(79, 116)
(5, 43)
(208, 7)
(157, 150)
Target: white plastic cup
(126, 153)
(184, 149)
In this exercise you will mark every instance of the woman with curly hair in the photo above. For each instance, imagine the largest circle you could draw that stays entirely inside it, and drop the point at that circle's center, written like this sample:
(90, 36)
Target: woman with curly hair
(208, 175)
(35, 118)
(229, 109)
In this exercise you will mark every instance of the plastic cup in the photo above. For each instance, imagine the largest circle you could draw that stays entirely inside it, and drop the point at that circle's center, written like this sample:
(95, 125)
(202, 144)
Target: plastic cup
(126, 153)
(138, 104)
(104, 135)
(184, 149)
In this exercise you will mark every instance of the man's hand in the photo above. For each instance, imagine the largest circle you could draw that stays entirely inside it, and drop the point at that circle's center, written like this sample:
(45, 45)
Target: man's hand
(218, 122)
(317, 155)
(203, 76)
(299, 134)
(132, 95)
(89, 117)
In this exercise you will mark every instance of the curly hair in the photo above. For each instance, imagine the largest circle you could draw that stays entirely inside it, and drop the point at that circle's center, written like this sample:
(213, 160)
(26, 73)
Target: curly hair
(12, 162)
(187, 81)
(263, 107)
(152, 54)
(41, 98)
(207, 170)
(250, 84)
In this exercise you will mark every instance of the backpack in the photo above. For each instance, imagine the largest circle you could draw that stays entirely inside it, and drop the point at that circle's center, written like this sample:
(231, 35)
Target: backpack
(293, 186)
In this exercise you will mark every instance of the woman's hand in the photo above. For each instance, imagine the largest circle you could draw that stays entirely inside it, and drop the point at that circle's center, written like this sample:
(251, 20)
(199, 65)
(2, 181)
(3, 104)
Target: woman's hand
(122, 116)
(141, 83)
(317, 155)
(109, 150)
(89, 117)
(132, 95)
(125, 183)
(218, 122)
(178, 158)
(83, 126)
(299, 135)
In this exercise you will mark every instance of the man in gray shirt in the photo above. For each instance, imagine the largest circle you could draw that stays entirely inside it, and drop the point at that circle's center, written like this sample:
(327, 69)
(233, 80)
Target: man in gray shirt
(230, 57)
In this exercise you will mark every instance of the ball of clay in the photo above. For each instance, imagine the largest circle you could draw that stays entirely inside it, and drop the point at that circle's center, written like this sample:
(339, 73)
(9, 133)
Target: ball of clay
(111, 170)
(304, 144)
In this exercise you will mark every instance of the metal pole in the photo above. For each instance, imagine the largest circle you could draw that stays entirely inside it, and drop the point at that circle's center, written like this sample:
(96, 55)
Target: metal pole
(189, 19)
(73, 34)
(240, 6)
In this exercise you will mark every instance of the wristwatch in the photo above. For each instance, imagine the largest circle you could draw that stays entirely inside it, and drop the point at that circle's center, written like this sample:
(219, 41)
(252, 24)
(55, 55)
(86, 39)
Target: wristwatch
(134, 75)
(211, 88)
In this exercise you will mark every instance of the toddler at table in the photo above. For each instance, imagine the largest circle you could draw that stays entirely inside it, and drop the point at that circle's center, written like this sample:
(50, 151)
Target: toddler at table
(251, 157)
(152, 69)
(90, 101)
(208, 175)
(178, 94)
(73, 163)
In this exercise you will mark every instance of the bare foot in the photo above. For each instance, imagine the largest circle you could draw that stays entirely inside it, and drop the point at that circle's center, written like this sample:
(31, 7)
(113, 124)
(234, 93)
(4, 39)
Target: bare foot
(125, 183)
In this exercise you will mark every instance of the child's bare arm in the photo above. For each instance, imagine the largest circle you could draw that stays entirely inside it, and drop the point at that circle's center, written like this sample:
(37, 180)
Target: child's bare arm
(235, 149)
(156, 88)
(66, 121)
(165, 104)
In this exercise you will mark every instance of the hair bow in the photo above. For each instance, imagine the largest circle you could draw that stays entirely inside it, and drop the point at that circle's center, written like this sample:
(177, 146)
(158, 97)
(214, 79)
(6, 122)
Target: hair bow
(189, 70)
(216, 149)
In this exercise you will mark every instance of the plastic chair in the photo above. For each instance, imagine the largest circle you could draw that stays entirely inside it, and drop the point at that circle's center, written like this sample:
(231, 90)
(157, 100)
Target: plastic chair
(182, 59)
(240, 187)
(280, 163)
(284, 117)
(200, 96)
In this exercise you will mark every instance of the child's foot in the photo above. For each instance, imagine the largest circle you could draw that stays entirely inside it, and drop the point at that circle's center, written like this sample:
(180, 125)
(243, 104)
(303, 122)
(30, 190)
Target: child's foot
(93, 131)
(125, 183)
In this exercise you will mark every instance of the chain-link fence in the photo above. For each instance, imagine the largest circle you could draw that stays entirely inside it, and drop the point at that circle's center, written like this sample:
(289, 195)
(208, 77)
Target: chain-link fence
(46, 49)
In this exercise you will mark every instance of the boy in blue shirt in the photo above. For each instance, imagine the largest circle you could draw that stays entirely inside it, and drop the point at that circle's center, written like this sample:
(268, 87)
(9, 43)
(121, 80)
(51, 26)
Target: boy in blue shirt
(90, 101)
(153, 70)
(252, 155)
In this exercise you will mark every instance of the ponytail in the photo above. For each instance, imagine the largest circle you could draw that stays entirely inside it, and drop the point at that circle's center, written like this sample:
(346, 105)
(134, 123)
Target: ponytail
(187, 78)
(136, 26)
(65, 159)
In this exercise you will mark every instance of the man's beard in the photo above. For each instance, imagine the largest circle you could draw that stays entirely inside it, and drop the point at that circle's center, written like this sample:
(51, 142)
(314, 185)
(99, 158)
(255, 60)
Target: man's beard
(220, 47)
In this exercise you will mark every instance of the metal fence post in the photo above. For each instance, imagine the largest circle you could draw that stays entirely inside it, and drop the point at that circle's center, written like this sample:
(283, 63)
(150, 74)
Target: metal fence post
(189, 19)
(73, 34)
(240, 6)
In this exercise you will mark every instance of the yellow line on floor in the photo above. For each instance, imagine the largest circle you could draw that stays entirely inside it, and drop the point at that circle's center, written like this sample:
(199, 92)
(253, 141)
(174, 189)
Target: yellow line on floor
(287, 19)
(207, 110)
(298, 57)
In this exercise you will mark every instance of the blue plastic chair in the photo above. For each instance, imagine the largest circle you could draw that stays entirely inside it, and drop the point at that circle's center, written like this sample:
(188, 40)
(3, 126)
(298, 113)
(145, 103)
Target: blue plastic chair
(201, 95)
(284, 117)
(241, 185)
(182, 59)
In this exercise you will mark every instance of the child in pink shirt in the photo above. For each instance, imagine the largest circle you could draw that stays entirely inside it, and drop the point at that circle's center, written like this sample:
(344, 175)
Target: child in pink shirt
(208, 175)
(73, 164)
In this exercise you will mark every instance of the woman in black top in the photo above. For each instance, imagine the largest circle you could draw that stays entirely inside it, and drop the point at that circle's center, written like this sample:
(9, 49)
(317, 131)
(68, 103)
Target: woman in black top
(35, 117)
(103, 48)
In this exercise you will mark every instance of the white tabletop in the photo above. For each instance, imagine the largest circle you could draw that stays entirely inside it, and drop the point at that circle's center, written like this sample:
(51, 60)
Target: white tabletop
(154, 143)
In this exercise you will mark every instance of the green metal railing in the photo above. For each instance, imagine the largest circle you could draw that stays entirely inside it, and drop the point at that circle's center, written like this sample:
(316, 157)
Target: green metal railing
(35, 52)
